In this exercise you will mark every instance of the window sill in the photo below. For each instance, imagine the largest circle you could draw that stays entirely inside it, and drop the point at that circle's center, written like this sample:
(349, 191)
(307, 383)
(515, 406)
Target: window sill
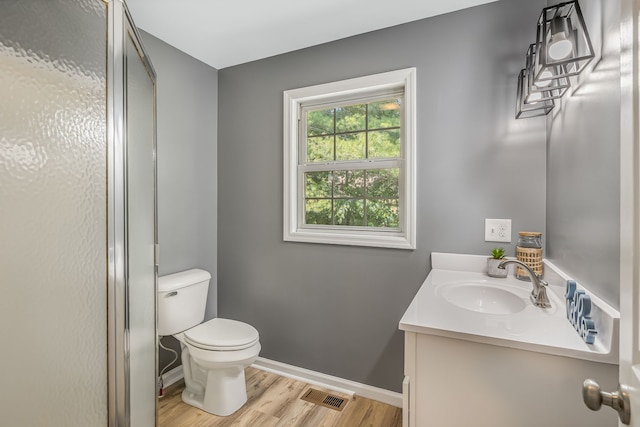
(332, 237)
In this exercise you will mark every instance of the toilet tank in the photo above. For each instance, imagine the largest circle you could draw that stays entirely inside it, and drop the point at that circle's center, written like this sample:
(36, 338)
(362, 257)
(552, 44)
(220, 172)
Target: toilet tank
(182, 300)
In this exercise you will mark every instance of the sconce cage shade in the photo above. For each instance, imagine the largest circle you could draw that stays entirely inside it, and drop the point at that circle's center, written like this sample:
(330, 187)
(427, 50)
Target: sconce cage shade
(564, 45)
(532, 108)
(553, 88)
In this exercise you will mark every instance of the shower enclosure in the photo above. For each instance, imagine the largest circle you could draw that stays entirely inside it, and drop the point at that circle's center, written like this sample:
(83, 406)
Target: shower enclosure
(78, 238)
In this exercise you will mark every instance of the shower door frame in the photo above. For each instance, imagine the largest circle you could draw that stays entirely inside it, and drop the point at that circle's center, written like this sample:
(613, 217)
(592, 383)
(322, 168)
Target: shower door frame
(119, 26)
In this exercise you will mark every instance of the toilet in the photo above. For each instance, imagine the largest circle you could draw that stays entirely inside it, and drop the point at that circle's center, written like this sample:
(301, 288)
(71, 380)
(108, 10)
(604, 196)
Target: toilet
(214, 353)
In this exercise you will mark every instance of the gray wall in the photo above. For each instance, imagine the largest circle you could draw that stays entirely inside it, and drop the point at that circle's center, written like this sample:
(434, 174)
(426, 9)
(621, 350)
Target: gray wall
(583, 187)
(187, 93)
(335, 309)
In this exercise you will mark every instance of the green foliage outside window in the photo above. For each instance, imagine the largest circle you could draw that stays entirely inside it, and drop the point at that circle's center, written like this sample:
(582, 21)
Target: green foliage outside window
(355, 197)
(358, 197)
(363, 131)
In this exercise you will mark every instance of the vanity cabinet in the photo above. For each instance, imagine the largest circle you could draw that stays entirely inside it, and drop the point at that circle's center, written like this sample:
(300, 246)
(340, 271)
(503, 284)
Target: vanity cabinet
(478, 353)
(456, 383)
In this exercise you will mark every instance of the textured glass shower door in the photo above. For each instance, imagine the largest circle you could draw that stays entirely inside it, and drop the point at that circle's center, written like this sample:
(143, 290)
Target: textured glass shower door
(77, 216)
(53, 213)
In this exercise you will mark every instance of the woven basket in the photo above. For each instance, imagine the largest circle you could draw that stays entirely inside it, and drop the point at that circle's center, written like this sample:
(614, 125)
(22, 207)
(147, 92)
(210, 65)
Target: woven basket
(532, 257)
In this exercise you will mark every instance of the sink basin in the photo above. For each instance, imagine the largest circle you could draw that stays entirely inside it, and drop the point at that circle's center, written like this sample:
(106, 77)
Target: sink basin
(484, 297)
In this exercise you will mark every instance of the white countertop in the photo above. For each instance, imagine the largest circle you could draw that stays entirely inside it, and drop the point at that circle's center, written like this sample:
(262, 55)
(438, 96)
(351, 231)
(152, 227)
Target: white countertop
(534, 329)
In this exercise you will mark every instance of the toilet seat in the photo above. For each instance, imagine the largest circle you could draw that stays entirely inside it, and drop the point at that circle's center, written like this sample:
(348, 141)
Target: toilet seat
(222, 335)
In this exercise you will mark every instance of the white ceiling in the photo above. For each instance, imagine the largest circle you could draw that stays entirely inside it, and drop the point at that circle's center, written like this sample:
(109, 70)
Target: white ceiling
(230, 32)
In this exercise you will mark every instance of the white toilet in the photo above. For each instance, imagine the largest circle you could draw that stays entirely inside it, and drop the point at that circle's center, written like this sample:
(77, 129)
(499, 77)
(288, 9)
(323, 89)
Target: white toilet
(214, 353)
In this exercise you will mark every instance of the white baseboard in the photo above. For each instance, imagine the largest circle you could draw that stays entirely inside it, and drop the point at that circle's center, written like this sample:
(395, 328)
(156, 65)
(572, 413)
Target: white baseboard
(330, 382)
(319, 379)
(172, 376)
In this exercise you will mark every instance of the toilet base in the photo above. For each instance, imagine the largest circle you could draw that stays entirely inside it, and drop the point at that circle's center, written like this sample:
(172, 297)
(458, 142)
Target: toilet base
(215, 380)
(224, 393)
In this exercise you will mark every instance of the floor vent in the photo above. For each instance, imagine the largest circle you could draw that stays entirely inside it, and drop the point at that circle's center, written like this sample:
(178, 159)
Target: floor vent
(324, 399)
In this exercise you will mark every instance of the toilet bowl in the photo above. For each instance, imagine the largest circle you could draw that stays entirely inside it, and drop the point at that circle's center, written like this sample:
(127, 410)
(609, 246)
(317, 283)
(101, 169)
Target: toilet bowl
(214, 353)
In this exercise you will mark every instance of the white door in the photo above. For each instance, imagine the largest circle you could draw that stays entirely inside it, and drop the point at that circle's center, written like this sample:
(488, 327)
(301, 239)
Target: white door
(626, 400)
(630, 209)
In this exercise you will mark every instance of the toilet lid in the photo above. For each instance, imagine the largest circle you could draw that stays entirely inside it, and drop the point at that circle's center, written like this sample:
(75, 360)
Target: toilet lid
(222, 335)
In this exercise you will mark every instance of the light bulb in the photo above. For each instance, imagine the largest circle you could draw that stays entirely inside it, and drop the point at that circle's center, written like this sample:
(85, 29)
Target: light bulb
(547, 75)
(534, 97)
(560, 45)
(560, 49)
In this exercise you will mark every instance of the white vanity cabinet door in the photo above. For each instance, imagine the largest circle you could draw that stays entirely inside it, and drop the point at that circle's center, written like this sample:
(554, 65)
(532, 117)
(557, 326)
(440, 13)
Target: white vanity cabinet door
(457, 383)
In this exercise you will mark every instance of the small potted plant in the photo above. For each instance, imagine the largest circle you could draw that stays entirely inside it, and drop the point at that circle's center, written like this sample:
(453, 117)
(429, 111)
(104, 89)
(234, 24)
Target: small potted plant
(497, 256)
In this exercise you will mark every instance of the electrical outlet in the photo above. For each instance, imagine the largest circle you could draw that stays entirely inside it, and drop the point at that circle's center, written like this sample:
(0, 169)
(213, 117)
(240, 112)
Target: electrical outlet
(497, 230)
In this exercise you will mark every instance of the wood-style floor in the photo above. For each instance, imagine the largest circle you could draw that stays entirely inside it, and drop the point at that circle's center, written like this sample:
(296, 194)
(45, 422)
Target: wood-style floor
(274, 401)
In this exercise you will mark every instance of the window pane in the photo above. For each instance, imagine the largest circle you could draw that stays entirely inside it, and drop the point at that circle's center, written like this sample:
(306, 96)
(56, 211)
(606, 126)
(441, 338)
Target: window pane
(384, 144)
(350, 146)
(382, 213)
(320, 148)
(317, 184)
(349, 212)
(348, 183)
(384, 114)
(317, 211)
(320, 122)
(351, 118)
(382, 183)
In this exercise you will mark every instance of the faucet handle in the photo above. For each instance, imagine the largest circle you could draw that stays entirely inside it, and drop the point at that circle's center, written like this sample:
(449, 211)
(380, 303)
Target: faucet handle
(540, 299)
(541, 281)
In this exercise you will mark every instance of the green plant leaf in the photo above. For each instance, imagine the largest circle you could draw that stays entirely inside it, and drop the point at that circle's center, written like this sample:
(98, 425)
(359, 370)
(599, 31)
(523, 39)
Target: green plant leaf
(497, 253)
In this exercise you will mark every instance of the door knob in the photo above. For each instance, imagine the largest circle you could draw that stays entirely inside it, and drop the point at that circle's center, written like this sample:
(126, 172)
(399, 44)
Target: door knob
(594, 398)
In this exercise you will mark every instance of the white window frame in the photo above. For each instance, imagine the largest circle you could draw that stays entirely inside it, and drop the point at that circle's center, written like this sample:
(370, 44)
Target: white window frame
(357, 88)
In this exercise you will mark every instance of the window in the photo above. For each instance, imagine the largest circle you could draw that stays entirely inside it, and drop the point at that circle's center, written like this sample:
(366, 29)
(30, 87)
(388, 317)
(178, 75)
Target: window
(349, 167)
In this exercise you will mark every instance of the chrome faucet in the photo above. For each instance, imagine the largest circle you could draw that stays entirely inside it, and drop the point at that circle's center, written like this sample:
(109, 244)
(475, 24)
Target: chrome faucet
(539, 292)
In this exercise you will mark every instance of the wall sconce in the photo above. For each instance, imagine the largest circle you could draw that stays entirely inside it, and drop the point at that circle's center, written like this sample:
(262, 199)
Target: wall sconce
(565, 46)
(529, 105)
(562, 49)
